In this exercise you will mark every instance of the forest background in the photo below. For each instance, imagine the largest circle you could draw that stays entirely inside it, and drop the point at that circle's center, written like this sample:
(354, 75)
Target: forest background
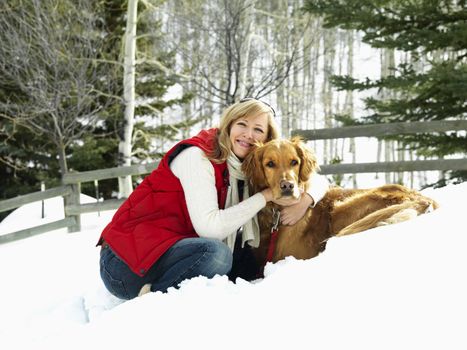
(66, 100)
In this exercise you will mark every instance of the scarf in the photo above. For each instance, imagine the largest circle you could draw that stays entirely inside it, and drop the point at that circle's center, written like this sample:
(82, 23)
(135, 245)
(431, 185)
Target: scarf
(250, 230)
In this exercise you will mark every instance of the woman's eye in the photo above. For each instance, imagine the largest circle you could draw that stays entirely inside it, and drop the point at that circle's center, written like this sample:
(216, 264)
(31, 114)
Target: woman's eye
(259, 130)
(293, 162)
(270, 164)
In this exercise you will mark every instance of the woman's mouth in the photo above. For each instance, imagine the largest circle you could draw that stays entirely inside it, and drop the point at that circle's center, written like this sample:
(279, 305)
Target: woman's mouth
(244, 144)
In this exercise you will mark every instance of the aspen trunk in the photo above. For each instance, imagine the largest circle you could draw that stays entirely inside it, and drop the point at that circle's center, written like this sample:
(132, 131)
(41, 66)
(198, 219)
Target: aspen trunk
(125, 145)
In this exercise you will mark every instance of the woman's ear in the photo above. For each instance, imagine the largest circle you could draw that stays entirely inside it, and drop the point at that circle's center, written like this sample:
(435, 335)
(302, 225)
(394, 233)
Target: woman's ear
(253, 169)
(308, 164)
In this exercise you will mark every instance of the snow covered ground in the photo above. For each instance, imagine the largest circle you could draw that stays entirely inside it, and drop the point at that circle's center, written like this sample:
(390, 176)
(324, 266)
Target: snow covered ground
(397, 287)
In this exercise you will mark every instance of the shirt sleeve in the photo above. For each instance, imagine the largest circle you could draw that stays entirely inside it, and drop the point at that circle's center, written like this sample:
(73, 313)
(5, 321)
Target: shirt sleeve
(317, 187)
(196, 175)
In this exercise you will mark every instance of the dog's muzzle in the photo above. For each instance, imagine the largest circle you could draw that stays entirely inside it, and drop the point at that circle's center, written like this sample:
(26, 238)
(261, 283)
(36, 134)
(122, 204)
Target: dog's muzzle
(287, 188)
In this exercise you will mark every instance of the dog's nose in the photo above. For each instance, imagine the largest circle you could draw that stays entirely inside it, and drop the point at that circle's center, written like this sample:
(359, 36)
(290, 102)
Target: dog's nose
(286, 186)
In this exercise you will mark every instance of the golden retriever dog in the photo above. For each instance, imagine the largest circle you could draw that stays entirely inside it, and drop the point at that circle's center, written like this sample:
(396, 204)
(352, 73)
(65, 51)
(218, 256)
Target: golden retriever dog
(286, 166)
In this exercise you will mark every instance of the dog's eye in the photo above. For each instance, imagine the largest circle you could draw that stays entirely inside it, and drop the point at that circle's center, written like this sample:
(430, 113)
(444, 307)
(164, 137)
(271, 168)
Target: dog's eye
(270, 164)
(293, 162)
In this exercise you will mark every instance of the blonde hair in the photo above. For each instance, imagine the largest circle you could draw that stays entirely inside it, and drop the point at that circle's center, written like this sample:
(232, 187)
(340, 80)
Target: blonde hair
(222, 144)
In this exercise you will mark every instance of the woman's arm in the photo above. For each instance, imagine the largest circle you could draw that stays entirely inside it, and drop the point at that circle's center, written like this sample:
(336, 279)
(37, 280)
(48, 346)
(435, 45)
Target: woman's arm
(317, 187)
(196, 175)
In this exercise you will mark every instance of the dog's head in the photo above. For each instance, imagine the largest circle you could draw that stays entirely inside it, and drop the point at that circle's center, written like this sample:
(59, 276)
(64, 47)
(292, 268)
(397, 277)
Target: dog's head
(283, 165)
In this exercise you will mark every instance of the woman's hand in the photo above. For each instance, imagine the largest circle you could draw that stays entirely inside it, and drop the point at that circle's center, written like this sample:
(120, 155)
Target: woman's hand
(291, 214)
(267, 193)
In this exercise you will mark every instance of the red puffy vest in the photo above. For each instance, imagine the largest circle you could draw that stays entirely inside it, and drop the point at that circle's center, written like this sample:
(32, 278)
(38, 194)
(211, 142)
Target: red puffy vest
(155, 215)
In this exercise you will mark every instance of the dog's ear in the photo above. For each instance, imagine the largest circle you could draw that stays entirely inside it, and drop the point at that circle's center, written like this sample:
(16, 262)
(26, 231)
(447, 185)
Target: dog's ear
(309, 163)
(253, 169)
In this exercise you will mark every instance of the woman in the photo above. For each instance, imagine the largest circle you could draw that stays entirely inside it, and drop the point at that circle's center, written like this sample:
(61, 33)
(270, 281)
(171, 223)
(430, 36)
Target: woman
(183, 220)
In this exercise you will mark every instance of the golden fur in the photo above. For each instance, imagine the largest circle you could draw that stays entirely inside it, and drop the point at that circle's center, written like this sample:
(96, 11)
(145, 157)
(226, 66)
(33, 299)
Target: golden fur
(285, 166)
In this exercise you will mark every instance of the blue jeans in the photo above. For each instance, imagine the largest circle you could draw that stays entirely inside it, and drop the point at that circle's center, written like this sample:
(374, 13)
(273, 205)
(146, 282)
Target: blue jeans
(189, 257)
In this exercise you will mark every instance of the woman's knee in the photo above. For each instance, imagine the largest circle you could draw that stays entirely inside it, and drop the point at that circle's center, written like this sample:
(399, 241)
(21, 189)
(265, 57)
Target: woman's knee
(219, 257)
(113, 273)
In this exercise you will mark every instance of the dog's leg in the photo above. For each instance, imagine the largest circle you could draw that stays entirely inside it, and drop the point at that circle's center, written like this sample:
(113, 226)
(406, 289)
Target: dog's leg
(390, 215)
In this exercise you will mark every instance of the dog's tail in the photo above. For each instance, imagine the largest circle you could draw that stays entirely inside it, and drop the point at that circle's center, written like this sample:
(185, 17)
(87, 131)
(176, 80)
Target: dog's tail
(387, 216)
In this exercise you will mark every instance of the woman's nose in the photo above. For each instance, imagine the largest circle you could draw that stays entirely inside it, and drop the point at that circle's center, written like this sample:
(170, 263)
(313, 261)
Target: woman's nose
(249, 133)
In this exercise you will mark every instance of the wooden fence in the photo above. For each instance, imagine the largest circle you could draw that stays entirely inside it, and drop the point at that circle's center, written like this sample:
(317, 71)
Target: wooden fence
(380, 130)
(70, 190)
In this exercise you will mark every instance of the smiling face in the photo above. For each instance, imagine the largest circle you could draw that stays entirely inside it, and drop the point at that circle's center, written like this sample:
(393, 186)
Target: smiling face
(245, 131)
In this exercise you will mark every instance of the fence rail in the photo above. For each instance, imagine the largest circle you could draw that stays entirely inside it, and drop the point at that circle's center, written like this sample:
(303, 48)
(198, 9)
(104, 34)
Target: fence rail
(29, 232)
(18, 201)
(70, 190)
(416, 165)
(381, 130)
(108, 204)
(110, 173)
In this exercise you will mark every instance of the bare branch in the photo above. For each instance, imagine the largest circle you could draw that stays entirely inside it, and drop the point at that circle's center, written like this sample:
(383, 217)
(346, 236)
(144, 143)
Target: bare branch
(54, 78)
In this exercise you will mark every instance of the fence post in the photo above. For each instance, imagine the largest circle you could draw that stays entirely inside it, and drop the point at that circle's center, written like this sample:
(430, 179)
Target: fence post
(96, 187)
(73, 199)
(43, 202)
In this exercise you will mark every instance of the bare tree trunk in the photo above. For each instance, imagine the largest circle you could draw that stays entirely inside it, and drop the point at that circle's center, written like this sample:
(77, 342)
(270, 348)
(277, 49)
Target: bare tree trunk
(401, 157)
(307, 78)
(411, 174)
(248, 24)
(388, 157)
(387, 62)
(62, 158)
(282, 46)
(378, 155)
(315, 82)
(125, 145)
(329, 39)
(349, 99)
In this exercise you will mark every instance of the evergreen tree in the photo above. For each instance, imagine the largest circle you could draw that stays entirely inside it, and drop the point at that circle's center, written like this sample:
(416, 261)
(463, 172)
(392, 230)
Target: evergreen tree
(155, 75)
(25, 162)
(432, 85)
(27, 157)
(53, 82)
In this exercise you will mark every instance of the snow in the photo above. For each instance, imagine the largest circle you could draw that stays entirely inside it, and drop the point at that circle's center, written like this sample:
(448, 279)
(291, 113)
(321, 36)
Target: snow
(395, 287)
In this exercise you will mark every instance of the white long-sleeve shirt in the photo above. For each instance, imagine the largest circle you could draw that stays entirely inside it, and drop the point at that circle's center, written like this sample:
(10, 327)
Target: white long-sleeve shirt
(196, 175)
